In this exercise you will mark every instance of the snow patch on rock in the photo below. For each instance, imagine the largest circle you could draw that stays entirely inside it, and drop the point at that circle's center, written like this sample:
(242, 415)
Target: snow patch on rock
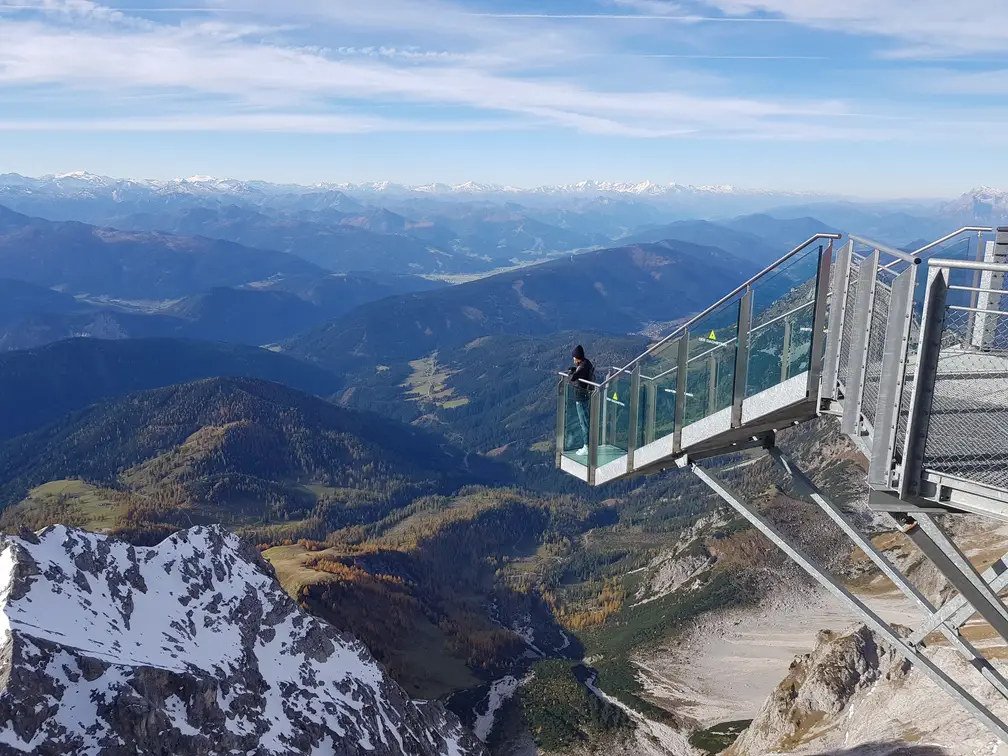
(187, 647)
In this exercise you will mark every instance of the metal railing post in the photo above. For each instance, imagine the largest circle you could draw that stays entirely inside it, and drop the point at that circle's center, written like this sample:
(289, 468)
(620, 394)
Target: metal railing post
(593, 433)
(817, 347)
(652, 409)
(604, 408)
(857, 362)
(985, 324)
(680, 397)
(634, 410)
(741, 357)
(785, 351)
(922, 396)
(891, 379)
(561, 423)
(835, 328)
(980, 254)
(712, 379)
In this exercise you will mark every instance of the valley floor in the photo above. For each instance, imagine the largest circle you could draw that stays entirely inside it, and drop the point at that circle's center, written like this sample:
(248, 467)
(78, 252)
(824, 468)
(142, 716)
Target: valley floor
(728, 665)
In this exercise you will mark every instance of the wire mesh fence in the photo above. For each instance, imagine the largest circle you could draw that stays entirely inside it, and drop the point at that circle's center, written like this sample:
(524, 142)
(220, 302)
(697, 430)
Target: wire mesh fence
(876, 348)
(845, 336)
(913, 348)
(968, 426)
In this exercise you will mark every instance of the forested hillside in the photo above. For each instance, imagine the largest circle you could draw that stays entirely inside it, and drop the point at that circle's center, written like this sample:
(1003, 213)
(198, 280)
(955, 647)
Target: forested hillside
(236, 450)
(38, 386)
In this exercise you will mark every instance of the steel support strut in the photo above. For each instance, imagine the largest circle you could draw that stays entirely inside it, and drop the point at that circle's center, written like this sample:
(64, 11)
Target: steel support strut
(972, 655)
(956, 568)
(831, 584)
(957, 610)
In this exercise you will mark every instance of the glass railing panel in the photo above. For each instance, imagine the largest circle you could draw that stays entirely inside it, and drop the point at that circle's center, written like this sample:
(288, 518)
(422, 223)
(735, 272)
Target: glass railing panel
(577, 413)
(780, 337)
(656, 412)
(614, 419)
(710, 375)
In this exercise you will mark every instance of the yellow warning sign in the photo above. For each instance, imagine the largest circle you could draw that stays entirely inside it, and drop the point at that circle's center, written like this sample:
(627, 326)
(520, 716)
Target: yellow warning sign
(713, 336)
(615, 397)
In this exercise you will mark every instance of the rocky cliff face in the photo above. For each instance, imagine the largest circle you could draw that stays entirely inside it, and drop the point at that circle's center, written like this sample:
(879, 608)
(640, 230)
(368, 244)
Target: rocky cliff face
(819, 687)
(855, 695)
(189, 647)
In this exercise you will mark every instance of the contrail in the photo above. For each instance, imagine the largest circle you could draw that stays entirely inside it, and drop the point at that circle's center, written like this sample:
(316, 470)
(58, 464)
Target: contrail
(641, 17)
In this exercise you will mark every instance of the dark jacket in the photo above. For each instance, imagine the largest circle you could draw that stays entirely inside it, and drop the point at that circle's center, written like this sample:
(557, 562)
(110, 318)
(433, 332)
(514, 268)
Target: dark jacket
(583, 372)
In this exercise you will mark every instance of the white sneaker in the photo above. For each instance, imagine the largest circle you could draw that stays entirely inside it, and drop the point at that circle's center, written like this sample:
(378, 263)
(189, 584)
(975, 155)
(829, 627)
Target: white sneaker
(582, 451)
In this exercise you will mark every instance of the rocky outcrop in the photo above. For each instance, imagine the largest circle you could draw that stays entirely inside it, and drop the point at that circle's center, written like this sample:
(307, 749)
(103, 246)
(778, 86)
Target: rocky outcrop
(189, 647)
(819, 686)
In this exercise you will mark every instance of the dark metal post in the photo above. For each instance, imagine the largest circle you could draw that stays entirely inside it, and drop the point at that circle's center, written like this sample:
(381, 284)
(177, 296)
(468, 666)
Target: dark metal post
(742, 357)
(593, 433)
(652, 408)
(785, 359)
(932, 327)
(817, 347)
(835, 327)
(712, 378)
(561, 422)
(634, 409)
(680, 397)
(893, 372)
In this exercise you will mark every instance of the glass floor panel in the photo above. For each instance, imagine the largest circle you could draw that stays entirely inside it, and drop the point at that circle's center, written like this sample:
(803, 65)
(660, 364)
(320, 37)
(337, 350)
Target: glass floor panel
(606, 454)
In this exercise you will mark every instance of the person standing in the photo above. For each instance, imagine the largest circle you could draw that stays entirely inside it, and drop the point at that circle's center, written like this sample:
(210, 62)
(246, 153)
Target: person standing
(582, 371)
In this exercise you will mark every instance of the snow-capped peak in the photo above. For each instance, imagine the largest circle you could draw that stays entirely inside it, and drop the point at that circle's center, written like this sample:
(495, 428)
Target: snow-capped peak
(187, 647)
(83, 175)
(203, 184)
(984, 204)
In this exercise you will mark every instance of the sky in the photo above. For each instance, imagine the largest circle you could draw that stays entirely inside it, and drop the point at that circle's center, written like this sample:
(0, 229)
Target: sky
(874, 98)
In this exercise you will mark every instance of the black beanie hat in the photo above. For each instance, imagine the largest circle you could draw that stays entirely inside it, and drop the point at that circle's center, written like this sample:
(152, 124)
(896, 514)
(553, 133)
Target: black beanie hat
(578, 352)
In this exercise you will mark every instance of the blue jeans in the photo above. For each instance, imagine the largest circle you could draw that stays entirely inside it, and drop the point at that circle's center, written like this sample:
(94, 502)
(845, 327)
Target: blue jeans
(583, 415)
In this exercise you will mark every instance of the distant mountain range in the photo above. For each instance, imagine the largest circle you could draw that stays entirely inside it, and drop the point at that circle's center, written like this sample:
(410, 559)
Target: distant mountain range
(80, 259)
(614, 291)
(270, 311)
(82, 181)
(459, 228)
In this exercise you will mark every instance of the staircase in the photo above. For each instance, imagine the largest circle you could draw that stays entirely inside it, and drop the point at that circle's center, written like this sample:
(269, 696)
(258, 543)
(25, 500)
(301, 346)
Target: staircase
(908, 350)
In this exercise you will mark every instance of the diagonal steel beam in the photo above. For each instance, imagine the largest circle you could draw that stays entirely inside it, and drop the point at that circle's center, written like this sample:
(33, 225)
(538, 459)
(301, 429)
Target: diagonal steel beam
(957, 610)
(956, 568)
(972, 655)
(880, 626)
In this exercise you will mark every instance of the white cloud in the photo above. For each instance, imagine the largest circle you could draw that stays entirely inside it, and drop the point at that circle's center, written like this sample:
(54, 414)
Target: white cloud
(297, 123)
(214, 59)
(331, 65)
(984, 83)
(925, 27)
(652, 7)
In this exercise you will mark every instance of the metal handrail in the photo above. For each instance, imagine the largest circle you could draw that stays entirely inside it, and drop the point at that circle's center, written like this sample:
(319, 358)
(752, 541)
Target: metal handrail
(949, 237)
(727, 298)
(732, 340)
(899, 254)
(953, 235)
(991, 267)
(581, 380)
(779, 318)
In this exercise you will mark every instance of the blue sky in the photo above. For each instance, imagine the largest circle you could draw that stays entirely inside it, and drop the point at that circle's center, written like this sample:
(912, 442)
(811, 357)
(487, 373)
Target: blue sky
(865, 97)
